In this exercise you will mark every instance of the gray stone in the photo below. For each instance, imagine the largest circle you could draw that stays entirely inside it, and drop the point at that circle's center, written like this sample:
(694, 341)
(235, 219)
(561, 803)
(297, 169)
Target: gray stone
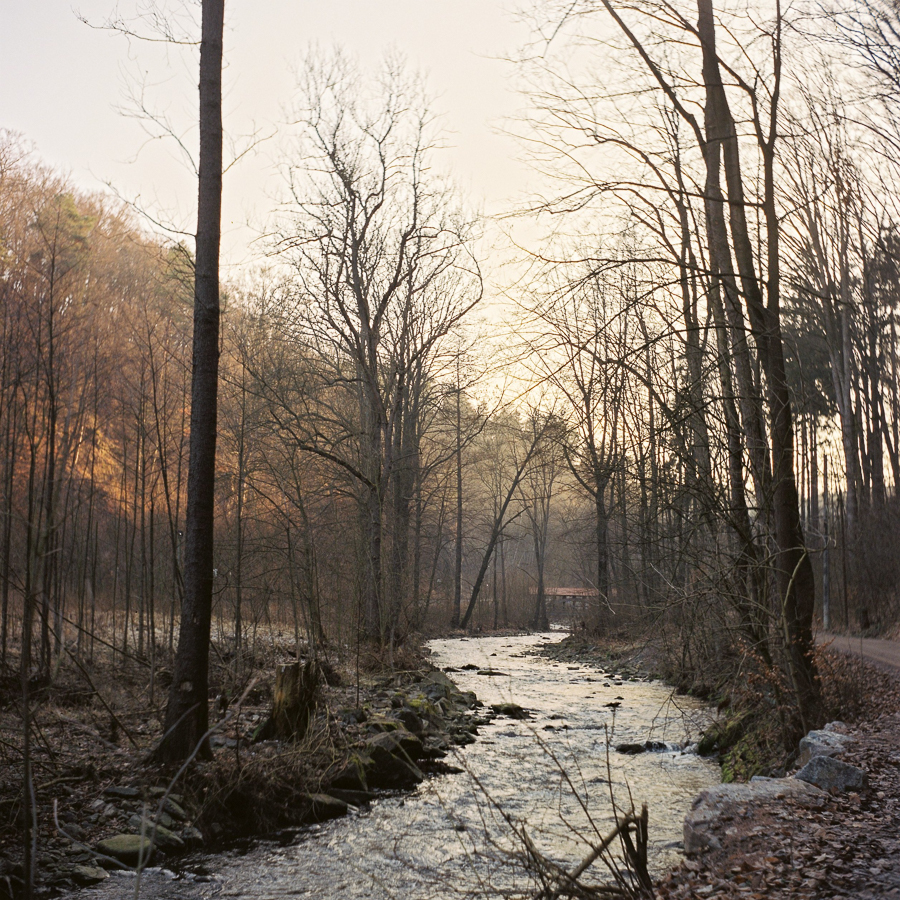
(88, 875)
(822, 743)
(157, 792)
(137, 822)
(74, 831)
(192, 836)
(175, 810)
(837, 726)
(126, 848)
(125, 793)
(717, 805)
(437, 684)
(833, 775)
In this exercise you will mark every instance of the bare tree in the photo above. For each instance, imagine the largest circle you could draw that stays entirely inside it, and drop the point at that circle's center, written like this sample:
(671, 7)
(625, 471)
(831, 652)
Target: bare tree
(383, 272)
(187, 713)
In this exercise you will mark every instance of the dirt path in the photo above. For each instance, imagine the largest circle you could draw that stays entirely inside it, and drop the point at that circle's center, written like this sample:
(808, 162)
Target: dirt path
(885, 654)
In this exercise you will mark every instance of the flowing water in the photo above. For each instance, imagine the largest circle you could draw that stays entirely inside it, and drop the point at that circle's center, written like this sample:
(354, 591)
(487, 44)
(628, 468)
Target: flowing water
(557, 772)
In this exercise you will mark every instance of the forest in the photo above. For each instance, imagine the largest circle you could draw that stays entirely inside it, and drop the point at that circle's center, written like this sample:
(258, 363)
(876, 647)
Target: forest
(682, 410)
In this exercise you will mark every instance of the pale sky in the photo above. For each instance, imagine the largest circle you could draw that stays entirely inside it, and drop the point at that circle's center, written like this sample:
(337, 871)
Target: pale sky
(62, 84)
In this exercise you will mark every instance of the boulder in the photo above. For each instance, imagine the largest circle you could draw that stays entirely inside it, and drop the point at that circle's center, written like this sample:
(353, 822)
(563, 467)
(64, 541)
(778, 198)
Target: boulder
(631, 749)
(436, 685)
(833, 775)
(355, 774)
(125, 848)
(401, 743)
(391, 766)
(513, 710)
(322, 807)
(822, 743)
(717, 805)
(411, 722)
(88, 875)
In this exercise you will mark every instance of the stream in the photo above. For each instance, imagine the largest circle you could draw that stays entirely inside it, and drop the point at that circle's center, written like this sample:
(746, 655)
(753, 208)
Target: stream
(556, 771)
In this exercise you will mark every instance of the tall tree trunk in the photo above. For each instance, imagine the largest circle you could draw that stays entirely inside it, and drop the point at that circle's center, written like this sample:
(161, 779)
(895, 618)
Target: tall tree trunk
(457, 563)
(793, 568)
(187, 713)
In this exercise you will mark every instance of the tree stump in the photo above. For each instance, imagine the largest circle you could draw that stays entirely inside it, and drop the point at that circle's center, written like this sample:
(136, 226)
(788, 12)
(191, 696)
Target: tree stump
(296, 691)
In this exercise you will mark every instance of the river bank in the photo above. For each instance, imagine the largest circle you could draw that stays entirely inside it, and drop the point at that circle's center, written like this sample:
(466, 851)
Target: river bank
(839, 844)
(383, 734)
(543, 759)
(98, 802)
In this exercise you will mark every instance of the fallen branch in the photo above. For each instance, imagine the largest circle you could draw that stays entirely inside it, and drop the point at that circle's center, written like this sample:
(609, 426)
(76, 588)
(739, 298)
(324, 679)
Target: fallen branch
(560, 883)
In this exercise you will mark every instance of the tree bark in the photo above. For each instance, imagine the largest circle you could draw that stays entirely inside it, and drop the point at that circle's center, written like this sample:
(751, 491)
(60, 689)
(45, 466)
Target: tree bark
(793, 568)
(187, 714)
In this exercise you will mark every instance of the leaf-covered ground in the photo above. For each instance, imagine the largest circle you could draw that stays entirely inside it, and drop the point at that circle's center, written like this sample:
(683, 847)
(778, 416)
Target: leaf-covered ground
(850, 847)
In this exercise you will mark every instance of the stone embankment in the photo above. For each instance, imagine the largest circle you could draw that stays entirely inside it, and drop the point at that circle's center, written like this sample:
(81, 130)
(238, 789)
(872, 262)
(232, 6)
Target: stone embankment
(832, 829)
(716, 808)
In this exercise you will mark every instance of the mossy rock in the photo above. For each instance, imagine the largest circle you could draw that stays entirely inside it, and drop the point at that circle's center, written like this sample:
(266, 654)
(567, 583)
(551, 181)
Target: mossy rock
(128, 849)
(724, 734)
(382, 725)
(355, 774)
(88, 875)
(742, 762)
(165, 838)
(174, 808)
